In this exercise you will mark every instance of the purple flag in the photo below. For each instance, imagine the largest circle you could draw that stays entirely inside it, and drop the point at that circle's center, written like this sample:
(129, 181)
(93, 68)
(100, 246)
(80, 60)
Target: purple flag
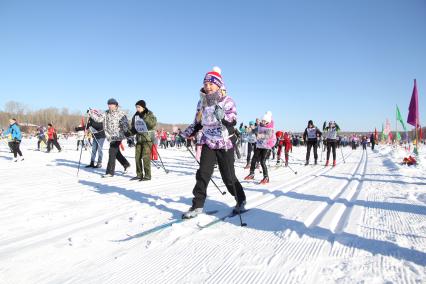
(413, 109)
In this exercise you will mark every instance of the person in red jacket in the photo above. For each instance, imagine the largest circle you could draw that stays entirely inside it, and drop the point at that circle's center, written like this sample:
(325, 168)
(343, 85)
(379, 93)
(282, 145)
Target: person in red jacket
(283, 140)
(52, 138)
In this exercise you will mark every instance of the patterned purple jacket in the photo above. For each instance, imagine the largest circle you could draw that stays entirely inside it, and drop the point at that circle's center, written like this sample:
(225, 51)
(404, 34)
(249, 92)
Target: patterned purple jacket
(214, 134)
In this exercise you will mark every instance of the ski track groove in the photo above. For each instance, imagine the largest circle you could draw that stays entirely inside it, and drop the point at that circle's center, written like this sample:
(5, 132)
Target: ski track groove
(300, 249)
(319, 216)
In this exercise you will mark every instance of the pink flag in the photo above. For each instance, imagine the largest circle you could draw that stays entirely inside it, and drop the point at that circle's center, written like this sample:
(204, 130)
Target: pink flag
(413, 109)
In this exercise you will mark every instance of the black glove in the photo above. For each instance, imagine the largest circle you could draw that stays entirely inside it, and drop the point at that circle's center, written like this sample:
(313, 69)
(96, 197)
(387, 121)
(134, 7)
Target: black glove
(128, 133)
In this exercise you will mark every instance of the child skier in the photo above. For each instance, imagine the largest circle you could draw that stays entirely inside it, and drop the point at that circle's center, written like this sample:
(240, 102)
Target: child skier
(283, 141)
(331, 137)
(265, 141)
(15, 139)
(251, 142)
(216, 115)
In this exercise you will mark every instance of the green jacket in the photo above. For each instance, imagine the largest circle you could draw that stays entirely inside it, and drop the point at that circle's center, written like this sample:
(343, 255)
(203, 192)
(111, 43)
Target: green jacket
(143, 125)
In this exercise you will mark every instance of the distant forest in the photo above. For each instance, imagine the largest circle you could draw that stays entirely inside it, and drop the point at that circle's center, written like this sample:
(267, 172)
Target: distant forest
(62, 119)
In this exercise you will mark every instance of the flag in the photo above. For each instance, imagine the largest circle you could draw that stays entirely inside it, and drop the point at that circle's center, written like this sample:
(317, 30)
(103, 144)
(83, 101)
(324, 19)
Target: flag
(399, 118)
(413, 109)
(383, 133)
(398, 136)
(387, 127)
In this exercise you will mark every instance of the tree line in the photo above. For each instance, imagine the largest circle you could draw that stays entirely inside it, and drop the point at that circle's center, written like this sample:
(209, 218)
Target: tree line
(62, 118)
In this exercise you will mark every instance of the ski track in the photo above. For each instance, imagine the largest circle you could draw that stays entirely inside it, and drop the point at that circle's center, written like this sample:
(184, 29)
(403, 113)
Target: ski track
(323, 225)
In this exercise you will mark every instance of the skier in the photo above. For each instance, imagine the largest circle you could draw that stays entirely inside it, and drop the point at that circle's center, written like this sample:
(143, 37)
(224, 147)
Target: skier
(331, 137)
(216, 115)
(143, 125)
(251, 142)
(52, 138)
(97, 130)
(80, 136)
(41, 135)
(115, 126)
(265, 141)
(310, 136)
(14, 132)
(283, 140)
(373, 141)
(364, 142)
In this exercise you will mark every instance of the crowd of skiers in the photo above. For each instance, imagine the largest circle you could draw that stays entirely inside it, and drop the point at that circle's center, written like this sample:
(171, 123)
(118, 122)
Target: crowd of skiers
(213, 131)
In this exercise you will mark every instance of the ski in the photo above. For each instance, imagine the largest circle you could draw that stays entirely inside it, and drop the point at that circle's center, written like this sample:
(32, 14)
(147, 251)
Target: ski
(221, 219)
(162, 227)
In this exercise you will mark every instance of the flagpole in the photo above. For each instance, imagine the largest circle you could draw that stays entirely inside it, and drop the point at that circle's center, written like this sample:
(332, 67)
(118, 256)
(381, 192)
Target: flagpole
(396, 126)
(417, 141)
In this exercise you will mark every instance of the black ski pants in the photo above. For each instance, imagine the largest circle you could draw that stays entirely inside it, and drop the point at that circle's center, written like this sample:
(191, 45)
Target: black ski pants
(225, 161)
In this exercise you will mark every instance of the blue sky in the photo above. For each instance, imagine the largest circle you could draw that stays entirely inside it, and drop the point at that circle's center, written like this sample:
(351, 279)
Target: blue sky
(349, 61)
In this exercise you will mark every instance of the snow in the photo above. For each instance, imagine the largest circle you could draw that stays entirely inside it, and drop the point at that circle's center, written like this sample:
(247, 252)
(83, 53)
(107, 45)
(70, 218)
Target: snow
(361, 222)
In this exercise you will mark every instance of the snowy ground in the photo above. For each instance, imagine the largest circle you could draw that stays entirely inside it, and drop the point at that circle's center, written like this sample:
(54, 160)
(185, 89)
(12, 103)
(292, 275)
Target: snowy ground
(363, 221)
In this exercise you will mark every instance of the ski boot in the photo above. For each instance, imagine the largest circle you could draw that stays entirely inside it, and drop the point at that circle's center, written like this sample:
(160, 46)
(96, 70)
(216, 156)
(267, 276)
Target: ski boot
(126, 169)
(240, 208)
(92, 165)
(265, 180)
(334, 163)
(326, 163)
(98, 166)
(192, 212)
(249, 177)
(316, 162)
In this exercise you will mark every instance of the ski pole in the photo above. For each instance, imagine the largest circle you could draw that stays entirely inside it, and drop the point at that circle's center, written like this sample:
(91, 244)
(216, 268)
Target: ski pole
(233, 182)
(164, 168)
(288, 166)
(81, 150)
(341, 151)
(192, 154)
(155, 164)
(235, 194)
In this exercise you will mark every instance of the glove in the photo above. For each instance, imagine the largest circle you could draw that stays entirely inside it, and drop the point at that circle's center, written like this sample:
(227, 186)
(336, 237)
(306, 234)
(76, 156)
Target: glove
(128, 133)
(219, 113)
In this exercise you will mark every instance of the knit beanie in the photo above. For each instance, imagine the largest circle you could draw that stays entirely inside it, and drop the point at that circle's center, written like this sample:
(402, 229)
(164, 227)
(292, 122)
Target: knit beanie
(214, 77)
(267, 117)
(141, 103)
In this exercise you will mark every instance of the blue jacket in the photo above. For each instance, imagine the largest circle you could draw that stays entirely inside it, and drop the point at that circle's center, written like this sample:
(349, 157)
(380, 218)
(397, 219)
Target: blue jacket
(15, 131)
